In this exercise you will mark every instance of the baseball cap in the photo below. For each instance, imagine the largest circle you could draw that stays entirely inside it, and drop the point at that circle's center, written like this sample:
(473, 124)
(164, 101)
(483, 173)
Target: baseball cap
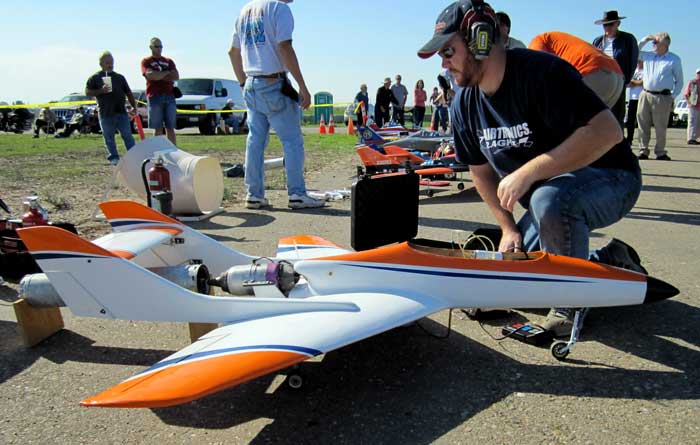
(447, 25)
(697, 71)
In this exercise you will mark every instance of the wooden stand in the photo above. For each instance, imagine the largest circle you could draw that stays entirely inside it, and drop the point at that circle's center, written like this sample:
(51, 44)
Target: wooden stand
(36, 324)
(199, 329)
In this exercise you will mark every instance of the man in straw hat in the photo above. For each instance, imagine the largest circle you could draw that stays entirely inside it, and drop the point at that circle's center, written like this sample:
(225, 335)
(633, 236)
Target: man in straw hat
(621, 46)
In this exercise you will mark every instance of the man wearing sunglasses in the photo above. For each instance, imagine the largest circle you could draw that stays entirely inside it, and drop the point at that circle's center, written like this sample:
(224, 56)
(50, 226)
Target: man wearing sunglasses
(534, 133)
(662, 78)
(621, 46)
(160, 73)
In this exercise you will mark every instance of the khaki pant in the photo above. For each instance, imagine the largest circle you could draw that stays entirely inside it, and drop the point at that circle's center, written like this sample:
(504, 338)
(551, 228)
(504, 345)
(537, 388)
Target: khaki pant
(693, 123)
(653, 109)
(607, 85)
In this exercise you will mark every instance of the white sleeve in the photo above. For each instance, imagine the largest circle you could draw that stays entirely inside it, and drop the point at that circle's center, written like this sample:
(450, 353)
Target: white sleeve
(284, 22)
(236, 39)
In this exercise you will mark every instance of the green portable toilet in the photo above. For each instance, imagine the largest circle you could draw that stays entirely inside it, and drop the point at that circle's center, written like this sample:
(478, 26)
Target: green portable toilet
(322, 98)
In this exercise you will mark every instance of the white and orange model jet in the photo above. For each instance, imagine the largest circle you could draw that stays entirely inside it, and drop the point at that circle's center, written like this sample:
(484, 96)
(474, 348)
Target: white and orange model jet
(313, 298)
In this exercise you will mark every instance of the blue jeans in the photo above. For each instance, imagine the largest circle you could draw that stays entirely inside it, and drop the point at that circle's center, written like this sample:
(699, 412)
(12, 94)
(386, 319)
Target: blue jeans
(441, 118)
(565, 209)
(110, 124)
(231, 120)
(268, 107)
(161, 111)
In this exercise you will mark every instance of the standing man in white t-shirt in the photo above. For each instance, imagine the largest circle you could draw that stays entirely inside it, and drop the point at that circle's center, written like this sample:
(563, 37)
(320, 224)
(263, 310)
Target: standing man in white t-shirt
(261, 54)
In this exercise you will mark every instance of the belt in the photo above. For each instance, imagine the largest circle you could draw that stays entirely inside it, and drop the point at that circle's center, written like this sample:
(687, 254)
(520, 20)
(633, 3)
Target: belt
(662, 92)
(271, 76)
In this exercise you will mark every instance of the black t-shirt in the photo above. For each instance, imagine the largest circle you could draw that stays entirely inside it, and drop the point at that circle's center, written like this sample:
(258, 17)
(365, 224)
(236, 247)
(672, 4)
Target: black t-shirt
(540, 103)
(111, 103)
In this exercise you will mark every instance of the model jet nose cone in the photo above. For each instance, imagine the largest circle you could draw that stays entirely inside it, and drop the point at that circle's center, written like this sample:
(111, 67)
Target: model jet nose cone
(659, 290)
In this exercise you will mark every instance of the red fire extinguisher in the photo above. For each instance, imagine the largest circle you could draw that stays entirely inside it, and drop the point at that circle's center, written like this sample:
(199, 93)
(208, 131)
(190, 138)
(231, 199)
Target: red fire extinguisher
(33, 214)
(158, 194)
(158, 177)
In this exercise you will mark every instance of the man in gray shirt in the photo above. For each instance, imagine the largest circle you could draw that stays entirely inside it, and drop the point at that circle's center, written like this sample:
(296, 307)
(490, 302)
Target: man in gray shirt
(112, 91)
(401, 94)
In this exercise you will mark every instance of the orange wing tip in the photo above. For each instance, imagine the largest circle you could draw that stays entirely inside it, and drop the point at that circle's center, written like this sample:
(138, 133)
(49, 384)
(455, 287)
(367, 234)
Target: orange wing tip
(124, 209)
(54, 239)
(193, 380)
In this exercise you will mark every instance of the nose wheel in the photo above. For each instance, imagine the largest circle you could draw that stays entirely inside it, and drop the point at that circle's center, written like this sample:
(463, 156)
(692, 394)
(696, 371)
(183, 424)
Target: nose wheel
(561, 349)
(295, 381)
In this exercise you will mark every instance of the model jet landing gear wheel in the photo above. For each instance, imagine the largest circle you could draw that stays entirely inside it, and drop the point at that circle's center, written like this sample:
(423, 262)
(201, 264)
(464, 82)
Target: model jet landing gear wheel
(559, 350)
(295, 381)
(430, 193)
(460, 186)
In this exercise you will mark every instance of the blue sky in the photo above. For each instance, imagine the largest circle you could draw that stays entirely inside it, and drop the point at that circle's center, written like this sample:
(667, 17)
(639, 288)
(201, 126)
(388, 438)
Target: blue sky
(48, 48)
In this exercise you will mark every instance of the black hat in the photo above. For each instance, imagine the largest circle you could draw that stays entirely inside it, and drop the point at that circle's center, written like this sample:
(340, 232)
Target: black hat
(609, 17)
(447, 25)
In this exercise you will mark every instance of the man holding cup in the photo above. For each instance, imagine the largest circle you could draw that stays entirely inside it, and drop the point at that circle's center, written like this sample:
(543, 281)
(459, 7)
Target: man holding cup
(111, 91)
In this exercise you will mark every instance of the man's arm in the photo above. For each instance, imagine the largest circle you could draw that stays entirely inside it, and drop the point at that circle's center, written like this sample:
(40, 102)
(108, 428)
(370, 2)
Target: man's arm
(161, 75)
(678, 77)
(585, 145)
(96, 91)
(289, 59)
(486, 181)
(234, 54)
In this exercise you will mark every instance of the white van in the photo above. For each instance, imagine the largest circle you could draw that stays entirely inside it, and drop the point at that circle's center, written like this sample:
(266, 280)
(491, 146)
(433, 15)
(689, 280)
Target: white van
(207, 94)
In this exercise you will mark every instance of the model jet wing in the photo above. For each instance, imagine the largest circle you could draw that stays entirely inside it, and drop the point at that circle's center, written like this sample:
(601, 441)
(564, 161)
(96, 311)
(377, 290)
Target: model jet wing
(130, 244)
(236, 353)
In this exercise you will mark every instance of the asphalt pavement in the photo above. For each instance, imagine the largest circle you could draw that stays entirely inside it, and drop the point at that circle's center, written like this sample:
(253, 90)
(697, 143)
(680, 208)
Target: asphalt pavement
(634, 378)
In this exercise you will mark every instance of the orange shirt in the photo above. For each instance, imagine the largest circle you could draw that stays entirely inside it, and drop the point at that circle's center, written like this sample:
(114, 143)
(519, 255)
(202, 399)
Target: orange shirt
(585, 57)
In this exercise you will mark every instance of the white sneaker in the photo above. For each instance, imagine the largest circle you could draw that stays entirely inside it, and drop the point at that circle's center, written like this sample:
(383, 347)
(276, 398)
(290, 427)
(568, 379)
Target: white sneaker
(304, 202)
(252, 202)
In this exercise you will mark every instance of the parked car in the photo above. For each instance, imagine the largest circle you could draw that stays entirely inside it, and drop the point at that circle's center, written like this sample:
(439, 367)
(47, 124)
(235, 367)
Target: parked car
(350, 113)
(65, 113)
(207, 94)
(680, 114)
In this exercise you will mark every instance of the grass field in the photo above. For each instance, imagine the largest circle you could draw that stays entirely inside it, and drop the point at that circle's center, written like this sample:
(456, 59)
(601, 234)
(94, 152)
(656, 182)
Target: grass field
(66, 173)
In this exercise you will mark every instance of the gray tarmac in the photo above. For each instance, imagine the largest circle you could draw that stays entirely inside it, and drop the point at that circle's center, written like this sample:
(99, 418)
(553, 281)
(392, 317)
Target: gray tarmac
(634, 378)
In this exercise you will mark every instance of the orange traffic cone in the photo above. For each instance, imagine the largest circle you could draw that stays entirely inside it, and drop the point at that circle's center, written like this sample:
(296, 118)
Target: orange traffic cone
(351, 127)
(331, 125)
(322, 126)
(432, 122)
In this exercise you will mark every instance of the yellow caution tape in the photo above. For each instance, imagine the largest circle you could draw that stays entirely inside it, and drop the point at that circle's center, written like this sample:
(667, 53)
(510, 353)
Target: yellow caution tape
(92, 102)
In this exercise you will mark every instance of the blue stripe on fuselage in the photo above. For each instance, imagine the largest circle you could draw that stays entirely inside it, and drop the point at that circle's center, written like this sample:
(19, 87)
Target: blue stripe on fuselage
(467, 274)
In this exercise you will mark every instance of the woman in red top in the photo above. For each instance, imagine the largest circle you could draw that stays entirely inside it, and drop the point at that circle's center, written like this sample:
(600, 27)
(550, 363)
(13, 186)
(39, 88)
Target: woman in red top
(419, 98)
(600, 72)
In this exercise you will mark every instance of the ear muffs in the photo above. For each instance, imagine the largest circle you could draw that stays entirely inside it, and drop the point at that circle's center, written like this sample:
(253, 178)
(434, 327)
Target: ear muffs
(480, 29)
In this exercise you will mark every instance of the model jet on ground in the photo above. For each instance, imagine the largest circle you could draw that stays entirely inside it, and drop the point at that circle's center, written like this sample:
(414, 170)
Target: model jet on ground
(424, 141)
(313, 298)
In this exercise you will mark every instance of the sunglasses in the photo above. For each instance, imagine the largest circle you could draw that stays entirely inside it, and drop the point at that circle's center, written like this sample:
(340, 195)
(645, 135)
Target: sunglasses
(157, 46)
(447, 52)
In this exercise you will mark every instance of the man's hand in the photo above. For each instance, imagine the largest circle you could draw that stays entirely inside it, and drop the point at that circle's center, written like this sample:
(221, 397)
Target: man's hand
(305, 98)
(105, 89)
(512, 188)
(511, 241)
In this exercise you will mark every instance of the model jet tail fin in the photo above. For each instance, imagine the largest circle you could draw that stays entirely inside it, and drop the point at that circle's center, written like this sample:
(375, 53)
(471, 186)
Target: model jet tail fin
(372, 158)
(127, 213)
(93, 282)
(129, 216)
(396, 151)
(370, 137)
